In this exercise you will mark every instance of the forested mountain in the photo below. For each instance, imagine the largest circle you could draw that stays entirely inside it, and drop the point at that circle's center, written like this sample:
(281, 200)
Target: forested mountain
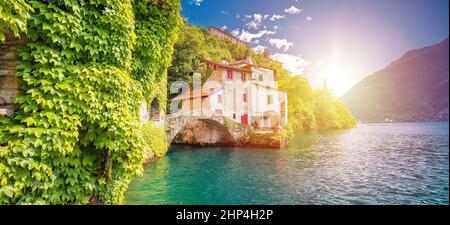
(412, 88)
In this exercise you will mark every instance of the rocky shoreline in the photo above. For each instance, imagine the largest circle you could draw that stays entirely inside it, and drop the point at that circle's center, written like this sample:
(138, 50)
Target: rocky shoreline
(208, 133)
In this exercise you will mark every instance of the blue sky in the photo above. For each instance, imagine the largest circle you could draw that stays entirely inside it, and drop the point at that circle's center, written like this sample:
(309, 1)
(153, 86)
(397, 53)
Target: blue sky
(339, 40)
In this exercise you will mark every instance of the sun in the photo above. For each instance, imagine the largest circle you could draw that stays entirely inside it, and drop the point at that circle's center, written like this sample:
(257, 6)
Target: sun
(337, 75)
(336, 82)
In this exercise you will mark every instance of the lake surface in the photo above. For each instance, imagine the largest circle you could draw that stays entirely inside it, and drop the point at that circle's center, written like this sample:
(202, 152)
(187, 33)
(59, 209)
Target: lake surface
(371, 164)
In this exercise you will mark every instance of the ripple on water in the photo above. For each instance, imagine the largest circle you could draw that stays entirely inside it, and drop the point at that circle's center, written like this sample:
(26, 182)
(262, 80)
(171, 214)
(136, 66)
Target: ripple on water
(371, 164)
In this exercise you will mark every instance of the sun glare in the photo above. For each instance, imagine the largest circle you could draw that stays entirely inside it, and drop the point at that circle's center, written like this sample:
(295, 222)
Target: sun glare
(338, 73)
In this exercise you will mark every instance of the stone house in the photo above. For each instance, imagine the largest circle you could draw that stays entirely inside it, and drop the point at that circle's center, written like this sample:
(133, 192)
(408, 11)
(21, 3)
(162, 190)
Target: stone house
(241, 91)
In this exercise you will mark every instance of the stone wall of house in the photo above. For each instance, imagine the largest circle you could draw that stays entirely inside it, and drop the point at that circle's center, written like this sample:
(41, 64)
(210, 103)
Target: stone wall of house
(233, 96)
(8, 82)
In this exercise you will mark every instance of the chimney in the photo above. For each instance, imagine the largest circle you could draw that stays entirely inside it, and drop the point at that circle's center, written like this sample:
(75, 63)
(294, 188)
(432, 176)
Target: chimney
(224, 61)
(249, 60)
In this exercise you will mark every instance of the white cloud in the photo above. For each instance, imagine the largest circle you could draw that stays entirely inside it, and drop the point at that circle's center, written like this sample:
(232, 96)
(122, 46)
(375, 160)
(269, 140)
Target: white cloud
(224, 12)
(248, 37)
(196, 2)
(277, 17)
(281, 43)
(252, 25)
(224, 27)
(275, 27)
(256, 21)
(238, 15)
(235, 32)
(259, 49)
(293, 63)
(256, 41)
(293, 10)
(258, 17)
(308, 18)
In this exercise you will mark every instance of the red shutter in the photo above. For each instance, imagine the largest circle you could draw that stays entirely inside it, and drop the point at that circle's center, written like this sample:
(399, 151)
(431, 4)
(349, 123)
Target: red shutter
(244, 119)
(244, 76)
(230, 75)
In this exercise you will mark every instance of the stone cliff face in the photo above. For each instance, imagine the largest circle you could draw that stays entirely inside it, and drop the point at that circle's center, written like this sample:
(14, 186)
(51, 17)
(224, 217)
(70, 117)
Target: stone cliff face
(412, 88)
(8, 81)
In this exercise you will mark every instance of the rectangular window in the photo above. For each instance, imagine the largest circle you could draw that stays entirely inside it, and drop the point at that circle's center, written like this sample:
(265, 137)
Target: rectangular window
(234, 115)
(261, 78)
(219, 98)
(245, 97)
(230, 75)
(244, 76)
(269, 99)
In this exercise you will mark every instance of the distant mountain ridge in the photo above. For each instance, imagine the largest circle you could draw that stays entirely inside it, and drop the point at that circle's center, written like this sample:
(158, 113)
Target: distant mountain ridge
(412, 88)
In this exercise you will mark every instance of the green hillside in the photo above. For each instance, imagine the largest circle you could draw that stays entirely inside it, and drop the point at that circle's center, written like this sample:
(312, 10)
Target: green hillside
(308, 109)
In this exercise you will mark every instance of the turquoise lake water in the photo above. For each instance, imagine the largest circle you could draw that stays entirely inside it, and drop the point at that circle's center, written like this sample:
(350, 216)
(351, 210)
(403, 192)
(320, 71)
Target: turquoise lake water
(371, 164)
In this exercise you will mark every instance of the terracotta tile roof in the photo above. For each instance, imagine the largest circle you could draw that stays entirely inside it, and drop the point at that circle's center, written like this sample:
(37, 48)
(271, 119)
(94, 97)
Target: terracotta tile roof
(196, 94)
(229, 66)
(247, 61)
(239, 62)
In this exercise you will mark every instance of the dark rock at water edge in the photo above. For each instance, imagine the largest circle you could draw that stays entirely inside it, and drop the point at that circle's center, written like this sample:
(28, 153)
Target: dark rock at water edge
(214, 134)
(204, 133)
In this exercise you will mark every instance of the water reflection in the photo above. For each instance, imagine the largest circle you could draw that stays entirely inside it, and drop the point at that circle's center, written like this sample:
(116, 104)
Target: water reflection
(371, 164)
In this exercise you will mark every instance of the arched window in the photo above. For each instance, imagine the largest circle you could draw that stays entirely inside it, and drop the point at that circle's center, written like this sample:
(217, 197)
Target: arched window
(155, 112)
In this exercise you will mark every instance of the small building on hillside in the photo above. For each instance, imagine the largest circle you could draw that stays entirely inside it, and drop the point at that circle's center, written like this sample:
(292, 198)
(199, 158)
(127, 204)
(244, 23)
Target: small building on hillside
(222, 34)
(240, 91)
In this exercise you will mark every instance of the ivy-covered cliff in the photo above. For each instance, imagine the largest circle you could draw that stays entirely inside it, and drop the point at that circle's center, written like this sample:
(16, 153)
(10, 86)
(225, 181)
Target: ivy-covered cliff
(85, 68)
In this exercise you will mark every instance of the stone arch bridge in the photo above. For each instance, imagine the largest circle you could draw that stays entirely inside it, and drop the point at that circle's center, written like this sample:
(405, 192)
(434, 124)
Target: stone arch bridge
(202, 130)
(215, 130)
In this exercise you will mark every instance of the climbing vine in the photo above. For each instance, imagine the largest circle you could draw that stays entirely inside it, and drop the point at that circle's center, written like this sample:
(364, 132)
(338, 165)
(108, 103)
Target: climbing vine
(154, 45)
(85, 70)
(13, 16)
(154, 137)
